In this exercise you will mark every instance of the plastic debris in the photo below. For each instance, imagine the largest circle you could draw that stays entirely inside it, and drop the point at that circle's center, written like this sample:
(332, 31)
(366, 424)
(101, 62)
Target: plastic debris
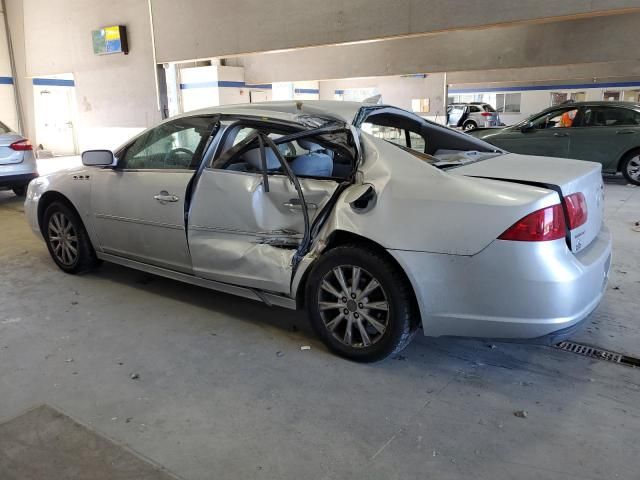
(305, 347)
(135, 376)
(521, 413)
(279, 354)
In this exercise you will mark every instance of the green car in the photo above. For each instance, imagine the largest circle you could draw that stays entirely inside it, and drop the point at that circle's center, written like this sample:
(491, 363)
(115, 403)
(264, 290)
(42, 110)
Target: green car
(603, 132)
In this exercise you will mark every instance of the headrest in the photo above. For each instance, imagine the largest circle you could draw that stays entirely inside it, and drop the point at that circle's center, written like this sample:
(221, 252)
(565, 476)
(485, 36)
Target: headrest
(307, 145)
(252, 157)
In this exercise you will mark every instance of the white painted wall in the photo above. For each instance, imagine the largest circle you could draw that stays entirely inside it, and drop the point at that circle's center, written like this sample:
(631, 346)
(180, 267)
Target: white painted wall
(395, 90)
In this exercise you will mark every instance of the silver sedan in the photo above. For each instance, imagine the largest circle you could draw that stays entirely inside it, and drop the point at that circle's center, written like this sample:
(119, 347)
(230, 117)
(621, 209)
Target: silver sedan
(374, 220)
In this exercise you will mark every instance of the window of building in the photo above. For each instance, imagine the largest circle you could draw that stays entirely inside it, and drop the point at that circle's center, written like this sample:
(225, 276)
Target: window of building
(420, 105)
(508, 102)
(611, 96)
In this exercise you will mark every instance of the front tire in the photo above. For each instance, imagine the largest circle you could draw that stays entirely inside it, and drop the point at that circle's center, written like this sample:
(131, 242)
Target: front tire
(631, 167)
(360, 304)
(67, 239)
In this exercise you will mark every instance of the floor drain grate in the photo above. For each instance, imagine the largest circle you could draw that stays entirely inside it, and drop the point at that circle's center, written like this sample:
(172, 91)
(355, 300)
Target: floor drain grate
(599, 353)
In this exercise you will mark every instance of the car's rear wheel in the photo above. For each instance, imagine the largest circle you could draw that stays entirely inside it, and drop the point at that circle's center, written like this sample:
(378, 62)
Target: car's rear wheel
(67, 239)
(631, 167)
(20, 191)
(361, 304)
(470, 125)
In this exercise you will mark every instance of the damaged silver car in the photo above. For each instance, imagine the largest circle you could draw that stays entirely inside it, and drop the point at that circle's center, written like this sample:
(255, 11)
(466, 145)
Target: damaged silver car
(375, 220)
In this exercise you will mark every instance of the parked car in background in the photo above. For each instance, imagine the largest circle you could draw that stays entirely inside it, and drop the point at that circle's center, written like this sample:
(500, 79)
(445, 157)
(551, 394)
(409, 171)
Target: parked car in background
(603, 132)
(295, 205)
(17, 161)
(470, 116)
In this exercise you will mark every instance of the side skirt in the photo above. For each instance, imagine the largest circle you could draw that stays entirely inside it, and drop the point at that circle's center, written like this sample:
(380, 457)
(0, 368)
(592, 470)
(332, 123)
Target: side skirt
(270, 299)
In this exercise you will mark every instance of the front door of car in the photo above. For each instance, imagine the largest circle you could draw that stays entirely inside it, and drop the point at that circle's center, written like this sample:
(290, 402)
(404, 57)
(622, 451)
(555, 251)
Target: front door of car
(547, 135)
(139, 206)
(604, 134)
(247, 223)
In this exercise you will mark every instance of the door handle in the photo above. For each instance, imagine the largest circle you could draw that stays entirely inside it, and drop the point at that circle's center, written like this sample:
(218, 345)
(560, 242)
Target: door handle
(165, 197)
(560, 134)
(295, 204)
(625, 132)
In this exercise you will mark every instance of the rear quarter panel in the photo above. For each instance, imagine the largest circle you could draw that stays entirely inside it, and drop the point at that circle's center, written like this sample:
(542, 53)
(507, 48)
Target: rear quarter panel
(421, 208)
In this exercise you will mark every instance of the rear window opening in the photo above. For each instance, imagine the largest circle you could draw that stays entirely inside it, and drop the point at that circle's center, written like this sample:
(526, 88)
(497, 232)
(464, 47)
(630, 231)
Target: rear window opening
(428, 141)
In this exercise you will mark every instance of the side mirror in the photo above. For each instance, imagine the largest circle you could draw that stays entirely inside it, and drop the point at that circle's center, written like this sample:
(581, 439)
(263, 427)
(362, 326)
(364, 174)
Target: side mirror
(527, 127)
(98, 158)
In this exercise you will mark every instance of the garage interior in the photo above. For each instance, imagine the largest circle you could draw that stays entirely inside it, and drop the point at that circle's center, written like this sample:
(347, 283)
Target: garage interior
(119, 374)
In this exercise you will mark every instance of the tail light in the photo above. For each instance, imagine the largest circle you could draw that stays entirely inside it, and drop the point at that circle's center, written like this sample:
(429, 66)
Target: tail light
(540, 226)
(486, 114)
(576, 206)
(21, 145)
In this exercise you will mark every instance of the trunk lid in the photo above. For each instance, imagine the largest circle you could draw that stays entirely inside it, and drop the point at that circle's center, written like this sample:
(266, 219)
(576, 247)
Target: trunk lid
(563, 175)
(8, 156)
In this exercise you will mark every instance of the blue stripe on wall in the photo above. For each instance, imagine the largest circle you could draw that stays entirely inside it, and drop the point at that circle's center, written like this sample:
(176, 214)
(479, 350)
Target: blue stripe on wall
(265, 86)
(53, 82)
(221, 84)
(307, 90)
(6, 80)
(339, 92)
(529, 88)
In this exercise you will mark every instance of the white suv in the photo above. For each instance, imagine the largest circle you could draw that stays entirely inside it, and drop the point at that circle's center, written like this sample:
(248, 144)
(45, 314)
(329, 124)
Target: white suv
(17, 161)
(470, 116)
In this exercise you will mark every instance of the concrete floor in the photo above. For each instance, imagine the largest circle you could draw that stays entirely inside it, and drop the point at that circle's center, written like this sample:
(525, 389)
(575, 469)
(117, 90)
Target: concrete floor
(215, 399)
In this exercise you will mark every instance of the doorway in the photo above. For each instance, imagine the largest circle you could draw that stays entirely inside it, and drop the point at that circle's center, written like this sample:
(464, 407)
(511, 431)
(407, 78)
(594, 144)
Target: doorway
(55, 112)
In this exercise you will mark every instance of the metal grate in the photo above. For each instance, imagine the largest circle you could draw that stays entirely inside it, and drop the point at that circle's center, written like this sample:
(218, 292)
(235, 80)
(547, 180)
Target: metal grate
(599, 353)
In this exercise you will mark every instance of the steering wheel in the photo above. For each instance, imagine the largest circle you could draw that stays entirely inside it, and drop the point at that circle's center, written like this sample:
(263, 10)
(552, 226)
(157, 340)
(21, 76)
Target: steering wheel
(171, 156)
(180, 150)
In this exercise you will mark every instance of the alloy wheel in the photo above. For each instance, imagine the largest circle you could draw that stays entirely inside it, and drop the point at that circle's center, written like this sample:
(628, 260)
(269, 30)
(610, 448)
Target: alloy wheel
(63, 239)
(633, 168)
(353, 306)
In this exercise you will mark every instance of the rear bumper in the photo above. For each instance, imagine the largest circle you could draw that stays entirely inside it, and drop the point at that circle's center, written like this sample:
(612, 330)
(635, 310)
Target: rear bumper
(510, 290)
(18, 180)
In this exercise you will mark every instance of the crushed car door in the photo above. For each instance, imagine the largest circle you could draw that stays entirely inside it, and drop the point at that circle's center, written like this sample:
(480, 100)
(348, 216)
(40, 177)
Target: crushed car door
(251, 215)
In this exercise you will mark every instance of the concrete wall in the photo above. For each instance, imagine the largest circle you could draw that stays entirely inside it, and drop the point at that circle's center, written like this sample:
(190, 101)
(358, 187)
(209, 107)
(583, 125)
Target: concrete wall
(115, 93)
(190, 29)
(589, 40)
(399, 91)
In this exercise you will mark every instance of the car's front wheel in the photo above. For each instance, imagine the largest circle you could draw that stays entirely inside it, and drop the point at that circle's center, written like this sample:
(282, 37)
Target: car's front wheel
(631, 167)
(67, 239)
(361, 304)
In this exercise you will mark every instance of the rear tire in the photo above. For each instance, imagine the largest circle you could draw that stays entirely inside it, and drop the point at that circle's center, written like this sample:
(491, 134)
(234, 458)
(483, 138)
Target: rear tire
(470, 125)
(630, 167)
(361, 304)
(67, 239)
(20, 191)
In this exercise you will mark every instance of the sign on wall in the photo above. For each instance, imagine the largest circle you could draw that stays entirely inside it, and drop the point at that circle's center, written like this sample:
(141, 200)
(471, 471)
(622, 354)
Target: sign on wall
(109, 40)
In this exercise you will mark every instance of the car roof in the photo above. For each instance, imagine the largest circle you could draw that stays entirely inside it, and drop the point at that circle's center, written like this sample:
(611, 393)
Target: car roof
(607, 103)
(288, 110)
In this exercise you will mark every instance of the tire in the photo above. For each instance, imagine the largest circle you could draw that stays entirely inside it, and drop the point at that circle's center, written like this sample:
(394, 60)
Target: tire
(630, 167)
(470, 125)
(375, 333)
(67, 239)
(20, 191)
